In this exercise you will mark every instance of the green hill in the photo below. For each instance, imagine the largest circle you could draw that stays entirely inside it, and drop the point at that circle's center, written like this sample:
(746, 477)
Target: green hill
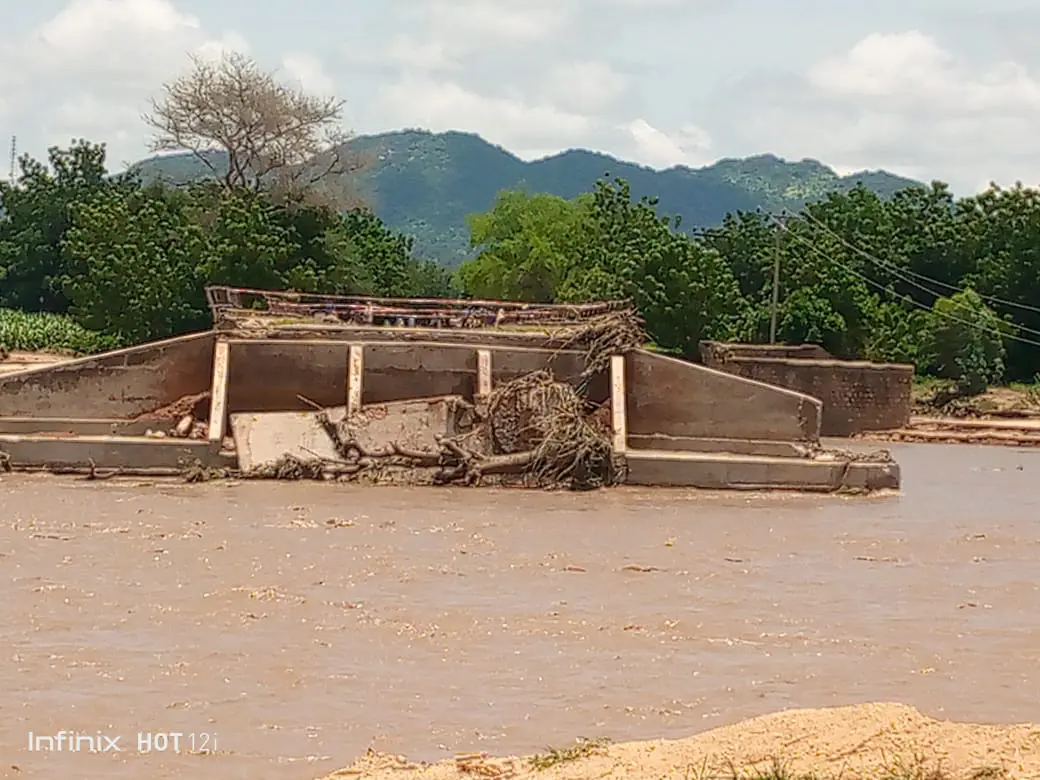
(425, 184)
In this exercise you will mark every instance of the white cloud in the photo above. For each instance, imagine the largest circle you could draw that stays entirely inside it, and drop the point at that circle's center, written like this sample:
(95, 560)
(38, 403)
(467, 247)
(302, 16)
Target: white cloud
(587, 85)
(527, 129)
(912, 69)
(308, 71)
(90, 70)
(633, 79)
(904, 102)
(504, 21)
(689, 146)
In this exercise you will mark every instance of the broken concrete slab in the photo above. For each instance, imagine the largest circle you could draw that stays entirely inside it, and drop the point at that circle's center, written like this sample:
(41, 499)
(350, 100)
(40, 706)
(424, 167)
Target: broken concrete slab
(265, 437)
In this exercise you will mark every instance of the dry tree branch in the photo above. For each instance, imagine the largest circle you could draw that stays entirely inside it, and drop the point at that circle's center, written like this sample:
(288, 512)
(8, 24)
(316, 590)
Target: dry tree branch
(270, 133)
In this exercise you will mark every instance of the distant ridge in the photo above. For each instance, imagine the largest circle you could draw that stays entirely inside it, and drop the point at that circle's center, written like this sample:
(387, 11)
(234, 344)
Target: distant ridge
(426, 184)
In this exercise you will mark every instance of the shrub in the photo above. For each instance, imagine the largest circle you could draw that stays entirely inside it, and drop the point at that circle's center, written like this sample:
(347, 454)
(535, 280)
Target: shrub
(963, 340)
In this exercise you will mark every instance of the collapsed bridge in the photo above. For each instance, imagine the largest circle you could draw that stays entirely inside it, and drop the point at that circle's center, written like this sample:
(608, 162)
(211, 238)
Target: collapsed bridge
(343, 383)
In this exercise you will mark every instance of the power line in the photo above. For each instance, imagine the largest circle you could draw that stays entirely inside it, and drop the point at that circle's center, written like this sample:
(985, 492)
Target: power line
(896, 271)
(883, 288)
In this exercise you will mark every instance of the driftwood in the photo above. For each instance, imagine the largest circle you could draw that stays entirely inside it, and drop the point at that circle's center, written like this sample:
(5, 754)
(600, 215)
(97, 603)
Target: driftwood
(532, 431)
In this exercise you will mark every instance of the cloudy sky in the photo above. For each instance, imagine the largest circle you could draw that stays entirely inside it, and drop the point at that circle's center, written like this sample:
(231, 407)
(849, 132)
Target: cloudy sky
(928, 88)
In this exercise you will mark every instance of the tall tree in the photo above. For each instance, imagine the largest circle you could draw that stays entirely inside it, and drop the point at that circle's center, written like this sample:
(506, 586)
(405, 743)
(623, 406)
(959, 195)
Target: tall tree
(684, 289)
(528, 246)
(272, 135)
(35, 213)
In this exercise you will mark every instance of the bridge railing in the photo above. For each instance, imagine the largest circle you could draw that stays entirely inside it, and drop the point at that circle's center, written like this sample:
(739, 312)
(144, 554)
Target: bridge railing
(229, 304)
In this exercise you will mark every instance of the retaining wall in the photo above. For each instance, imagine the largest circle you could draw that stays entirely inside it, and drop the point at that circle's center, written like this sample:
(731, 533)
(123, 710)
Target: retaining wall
(121, 384)
(856, 396)
(675, 398)
(715, 354)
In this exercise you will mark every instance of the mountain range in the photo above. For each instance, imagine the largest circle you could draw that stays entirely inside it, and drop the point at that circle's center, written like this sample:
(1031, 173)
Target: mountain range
(426, 184)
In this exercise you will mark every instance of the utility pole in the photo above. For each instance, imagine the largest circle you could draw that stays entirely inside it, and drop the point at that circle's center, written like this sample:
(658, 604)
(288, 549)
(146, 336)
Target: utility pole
(776, 283)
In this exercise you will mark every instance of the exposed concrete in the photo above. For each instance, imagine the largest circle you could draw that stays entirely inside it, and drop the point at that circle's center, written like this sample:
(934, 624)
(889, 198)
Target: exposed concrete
(482, 337)
(484, 378)
(266, 437)
(618, 404)
(219, 392)
(355, 372)
(268, 375)
(73, 427)
(127, 452)
(23, 361)
(715, 354)
(124, 383)
(670, 396)
(741, 472)
(857, 396)
(269, 436)
(771, 449)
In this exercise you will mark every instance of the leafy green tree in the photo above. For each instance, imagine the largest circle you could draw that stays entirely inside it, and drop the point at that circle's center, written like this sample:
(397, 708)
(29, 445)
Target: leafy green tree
(35, 213)
(963, 341)
(823, 298)
(142, 257)
(528, 245)
(1001, 234)
(428, 279)
(684, 289)
(385, 256)
(896, 335)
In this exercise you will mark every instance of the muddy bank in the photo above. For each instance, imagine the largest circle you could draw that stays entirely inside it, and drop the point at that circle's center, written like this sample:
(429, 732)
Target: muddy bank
(938, 399)
(1001, 416)
(946, 430)
(892, 741)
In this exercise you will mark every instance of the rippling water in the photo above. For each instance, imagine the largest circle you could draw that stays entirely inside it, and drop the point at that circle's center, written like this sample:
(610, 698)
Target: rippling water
(303, 623)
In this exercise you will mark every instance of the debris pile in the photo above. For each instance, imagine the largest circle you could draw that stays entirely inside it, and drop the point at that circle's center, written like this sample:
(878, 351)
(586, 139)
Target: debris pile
(604, 336)
(533, 431)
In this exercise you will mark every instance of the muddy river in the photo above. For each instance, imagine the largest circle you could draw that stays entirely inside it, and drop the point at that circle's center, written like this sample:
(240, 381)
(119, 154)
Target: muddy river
(292, 626)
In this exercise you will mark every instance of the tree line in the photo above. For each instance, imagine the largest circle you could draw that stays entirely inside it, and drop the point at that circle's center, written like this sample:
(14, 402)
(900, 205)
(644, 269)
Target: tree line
(90, 260)
(128, 262)
(131, 262)
(949, 285)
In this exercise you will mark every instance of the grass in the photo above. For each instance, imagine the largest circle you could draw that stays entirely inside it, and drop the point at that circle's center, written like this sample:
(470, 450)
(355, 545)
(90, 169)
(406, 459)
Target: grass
(582, 748)
(916, 768)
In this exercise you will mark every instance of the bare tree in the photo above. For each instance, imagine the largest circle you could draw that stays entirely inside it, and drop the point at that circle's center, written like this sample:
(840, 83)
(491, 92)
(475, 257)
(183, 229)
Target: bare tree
(274, 136)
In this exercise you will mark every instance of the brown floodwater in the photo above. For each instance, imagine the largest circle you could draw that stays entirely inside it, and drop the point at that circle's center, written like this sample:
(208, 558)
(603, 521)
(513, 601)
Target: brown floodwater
(303, 623)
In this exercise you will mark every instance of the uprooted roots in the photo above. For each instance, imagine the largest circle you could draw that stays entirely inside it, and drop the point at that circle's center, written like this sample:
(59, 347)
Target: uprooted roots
(601, 337)
(531, 431)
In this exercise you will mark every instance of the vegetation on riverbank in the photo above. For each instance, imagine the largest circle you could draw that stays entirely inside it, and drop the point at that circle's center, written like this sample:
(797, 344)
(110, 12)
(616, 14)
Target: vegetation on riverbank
(949, 285)
(932, 397)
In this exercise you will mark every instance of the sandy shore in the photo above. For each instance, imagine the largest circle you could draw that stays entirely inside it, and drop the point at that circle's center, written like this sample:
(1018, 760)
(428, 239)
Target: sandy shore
(890, 741)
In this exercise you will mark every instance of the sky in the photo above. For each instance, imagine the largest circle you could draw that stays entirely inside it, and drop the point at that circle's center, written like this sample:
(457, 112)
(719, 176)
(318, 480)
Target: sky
(932, 89)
